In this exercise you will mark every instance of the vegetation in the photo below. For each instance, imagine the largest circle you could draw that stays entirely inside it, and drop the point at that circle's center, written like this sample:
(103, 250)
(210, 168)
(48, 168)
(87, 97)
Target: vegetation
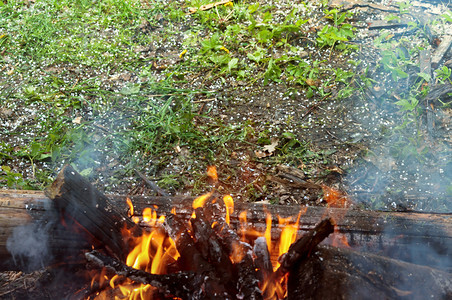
(115, 85)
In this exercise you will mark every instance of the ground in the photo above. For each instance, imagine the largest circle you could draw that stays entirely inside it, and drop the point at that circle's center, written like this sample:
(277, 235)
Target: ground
(285, 98)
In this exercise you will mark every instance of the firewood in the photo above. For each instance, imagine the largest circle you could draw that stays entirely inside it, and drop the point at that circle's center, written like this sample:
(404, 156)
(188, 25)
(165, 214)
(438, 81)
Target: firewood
(338, 273)
(81, 204)
(182, 285)
(264, 265)
(246, 280)
(209, 246)
(304, 246)
(196, 257)
(442, 50)
(393, 234)
(190, 257)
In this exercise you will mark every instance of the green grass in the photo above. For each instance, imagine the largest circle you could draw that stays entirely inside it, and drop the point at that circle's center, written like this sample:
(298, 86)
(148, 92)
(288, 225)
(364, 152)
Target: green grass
(60, 56)
(116, 85)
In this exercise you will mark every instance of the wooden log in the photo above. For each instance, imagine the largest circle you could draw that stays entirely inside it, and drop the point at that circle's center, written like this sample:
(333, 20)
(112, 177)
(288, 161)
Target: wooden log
(303, 247)
(334, 273)
(393, 234)
(441, 51)
(81, 205)
(77, 217)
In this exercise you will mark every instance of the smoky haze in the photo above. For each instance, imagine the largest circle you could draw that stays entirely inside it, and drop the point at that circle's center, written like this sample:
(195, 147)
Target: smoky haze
(29, 246)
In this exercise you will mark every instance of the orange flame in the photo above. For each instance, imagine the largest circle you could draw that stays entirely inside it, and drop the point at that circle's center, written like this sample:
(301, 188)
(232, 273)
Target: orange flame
(268, 231)
(154, 251)
(288, 233)
(212, 173)
(229, 203)
(201, 200)
(129, 203)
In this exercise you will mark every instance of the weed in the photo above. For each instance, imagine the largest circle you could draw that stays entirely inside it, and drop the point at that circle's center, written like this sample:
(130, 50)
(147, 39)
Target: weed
(444, 74)
(333, 35)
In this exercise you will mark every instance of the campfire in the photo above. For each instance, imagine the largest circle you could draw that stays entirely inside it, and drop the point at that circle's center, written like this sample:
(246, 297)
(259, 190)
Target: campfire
(205, 255)
(211, 247)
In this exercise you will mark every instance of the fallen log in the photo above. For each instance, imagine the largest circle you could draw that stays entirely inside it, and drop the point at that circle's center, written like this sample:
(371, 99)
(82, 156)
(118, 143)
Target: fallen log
(393, 234)
(335, 273)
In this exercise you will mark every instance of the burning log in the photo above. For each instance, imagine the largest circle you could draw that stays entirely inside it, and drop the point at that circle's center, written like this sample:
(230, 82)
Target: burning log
(239, 252)
(392, 234)
(80, 204)
(332, 273)
(304, 246)
(203, 252)
(182, 285)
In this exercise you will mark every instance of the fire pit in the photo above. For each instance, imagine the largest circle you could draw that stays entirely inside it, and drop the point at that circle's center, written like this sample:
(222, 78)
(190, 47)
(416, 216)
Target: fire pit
(210, 247)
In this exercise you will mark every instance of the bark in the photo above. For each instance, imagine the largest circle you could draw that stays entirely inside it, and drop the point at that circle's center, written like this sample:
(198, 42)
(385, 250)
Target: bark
(334, 273)
(393, 234)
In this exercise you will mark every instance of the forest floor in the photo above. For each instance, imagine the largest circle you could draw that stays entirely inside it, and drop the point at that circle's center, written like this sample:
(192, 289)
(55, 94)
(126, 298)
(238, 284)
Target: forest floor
(286, 98)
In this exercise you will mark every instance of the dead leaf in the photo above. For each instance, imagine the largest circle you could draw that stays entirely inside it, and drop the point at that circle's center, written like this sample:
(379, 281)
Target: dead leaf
(77, 120)
(312, 82)
(208, 6)
(261, 154)
(272, 147)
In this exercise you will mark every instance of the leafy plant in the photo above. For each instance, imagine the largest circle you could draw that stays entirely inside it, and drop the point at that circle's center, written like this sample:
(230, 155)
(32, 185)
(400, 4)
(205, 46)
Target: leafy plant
(447, 16)
(444, 74)
(273, 72)
(12, 179)
(332, 35)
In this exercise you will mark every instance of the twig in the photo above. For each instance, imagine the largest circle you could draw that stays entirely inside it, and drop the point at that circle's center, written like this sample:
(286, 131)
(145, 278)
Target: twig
(313, 107)
(151, 184)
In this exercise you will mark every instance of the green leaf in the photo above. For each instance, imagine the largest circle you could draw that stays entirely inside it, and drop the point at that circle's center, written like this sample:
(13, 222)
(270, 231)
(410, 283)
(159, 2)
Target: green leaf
(35, 149)
(273, 72)
(447, 16)
(257, 56)
(86, 172)
(264, 36)
(253, 8)
(425, 76)
(130, 89)
(233, 64)
(288, 135)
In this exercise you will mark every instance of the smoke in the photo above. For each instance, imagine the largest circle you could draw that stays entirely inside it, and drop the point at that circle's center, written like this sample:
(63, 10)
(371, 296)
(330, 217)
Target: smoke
(29, 246)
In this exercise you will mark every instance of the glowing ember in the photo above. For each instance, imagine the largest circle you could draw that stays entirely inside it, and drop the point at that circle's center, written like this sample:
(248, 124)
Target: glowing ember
(335, 198)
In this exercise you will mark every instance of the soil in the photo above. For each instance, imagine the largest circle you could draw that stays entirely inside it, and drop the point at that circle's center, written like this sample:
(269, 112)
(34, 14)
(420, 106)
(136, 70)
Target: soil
(351, 141)
(359, 150)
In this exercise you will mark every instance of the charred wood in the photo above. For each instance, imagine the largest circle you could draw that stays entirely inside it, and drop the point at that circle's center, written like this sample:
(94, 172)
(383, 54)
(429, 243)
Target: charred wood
(82, 206)
(190, 257)
(305, 245)
(392, 234)
(337, 273)
(442, 50)
(181, 285)
(247, 281)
